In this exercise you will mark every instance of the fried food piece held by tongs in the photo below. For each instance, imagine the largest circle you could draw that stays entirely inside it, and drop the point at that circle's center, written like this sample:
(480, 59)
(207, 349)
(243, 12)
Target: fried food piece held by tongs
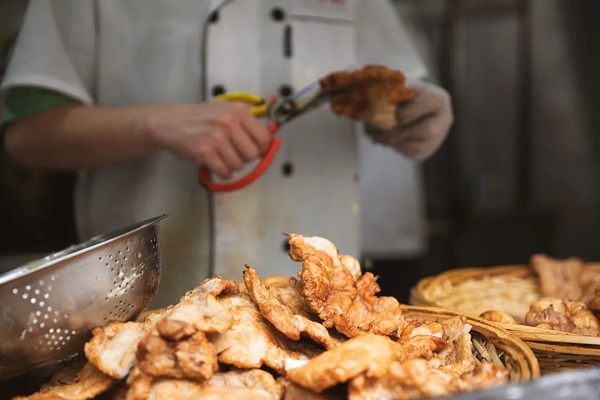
(370, 94)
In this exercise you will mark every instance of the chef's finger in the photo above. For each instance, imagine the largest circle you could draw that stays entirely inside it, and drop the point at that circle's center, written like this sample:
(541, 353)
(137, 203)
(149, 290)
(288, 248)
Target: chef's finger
(419, 140)
(230, 157)
(256, 131)
(429, 100)
(217, 165)
(245, 145)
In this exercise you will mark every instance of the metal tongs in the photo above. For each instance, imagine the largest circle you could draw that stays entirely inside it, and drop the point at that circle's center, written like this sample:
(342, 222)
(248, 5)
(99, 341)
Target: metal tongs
(307, 99)
(278, 113)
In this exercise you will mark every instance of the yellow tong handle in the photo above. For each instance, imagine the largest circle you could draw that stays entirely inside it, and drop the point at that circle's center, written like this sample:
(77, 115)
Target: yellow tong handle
(259, 105)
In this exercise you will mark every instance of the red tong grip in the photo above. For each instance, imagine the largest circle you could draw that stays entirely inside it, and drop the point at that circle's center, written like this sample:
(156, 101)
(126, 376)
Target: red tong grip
(257, 172)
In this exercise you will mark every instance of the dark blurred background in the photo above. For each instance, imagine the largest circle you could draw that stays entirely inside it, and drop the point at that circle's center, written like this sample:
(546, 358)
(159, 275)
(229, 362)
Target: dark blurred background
(519, 174)
(35, 206)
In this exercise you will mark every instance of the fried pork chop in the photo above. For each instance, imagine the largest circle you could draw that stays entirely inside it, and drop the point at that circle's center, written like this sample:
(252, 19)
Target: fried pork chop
(255, 379)
(563, 315)
(558, 278)
(337, 297)
(439, 361)
(497, 316)
(252, 343)
(569, 278)
(457, 354)
(112, 348)
(574, 281)
(284, 307)
(372, 94)
(416, 378)
(89, 383)
(182, 389)
(369, 354)
(200, 310)
(410, 379)
(194, 358)
(420, 339)
(238, 383)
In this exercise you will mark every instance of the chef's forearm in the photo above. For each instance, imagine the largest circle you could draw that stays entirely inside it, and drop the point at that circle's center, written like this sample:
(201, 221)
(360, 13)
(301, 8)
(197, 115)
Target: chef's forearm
(79, 137)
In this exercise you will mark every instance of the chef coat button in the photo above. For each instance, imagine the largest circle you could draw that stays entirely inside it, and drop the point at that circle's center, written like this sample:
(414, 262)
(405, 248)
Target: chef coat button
(285, 90)
(214, 17)
(217, 90)
(287, 169)
(285, 246)
(278, 14)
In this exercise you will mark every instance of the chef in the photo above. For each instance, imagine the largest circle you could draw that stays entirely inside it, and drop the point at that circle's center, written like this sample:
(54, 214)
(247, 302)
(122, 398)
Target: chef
(120, 91)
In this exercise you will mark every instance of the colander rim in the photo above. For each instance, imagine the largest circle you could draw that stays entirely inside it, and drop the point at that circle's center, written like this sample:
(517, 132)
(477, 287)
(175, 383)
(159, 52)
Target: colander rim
(74, 250)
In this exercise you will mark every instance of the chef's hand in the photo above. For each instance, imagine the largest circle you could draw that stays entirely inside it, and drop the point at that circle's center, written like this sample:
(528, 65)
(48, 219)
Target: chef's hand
(423, 123)
(219, 135)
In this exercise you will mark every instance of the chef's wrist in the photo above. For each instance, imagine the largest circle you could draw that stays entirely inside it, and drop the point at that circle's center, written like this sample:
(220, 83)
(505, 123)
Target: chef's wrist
(146, 127)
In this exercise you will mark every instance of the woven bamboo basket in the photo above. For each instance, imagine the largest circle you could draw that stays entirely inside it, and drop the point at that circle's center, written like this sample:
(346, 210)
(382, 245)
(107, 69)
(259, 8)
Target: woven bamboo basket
(510, 289)
(490, 343)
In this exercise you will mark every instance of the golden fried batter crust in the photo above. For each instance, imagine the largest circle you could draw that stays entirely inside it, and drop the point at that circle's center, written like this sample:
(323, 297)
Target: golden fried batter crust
(281, 307)
(200, 310)
(112, 348)
(563, 315)
(255, 379)
(416, 378)
(485, 375)
(340, 300)
(89, 383)
(558, 278)
(231, 384)
(371, 354)
(457, 354)
(420, 339)
(193, 358)
(251, 343)
(375, 93)
(181, 389)
(497, 316)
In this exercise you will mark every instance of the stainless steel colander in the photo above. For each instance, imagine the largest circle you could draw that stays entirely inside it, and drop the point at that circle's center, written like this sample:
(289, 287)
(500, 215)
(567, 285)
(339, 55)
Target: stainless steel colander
(48, 307)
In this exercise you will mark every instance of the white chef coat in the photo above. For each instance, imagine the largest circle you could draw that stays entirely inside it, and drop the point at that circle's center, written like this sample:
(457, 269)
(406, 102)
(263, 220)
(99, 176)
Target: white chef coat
(126, 52)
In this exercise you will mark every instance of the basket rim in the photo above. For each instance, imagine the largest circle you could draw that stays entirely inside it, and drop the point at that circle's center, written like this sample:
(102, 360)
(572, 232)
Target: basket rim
(533, 334)
(424, 285)
(558, 349)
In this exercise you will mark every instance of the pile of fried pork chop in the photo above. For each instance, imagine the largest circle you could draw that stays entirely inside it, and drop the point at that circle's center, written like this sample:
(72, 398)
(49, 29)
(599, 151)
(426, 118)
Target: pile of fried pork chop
(325, 336)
